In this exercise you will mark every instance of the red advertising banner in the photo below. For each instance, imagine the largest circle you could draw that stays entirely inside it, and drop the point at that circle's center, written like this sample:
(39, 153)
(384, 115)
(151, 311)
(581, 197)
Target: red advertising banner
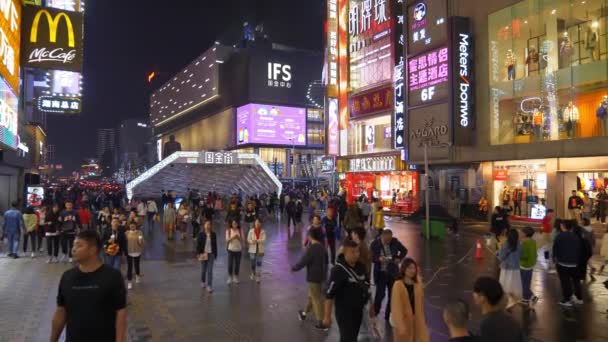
(373, 102)
(501, 175)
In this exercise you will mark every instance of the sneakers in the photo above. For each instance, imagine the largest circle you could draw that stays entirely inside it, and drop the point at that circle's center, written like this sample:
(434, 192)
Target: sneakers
(301, 315)
(203, 285)
(33, 255)
(137, 279)
(252, 276)
(209, 289)
(319, 326)
(49, 260)
(534, 300)
(576, 301)
(235, 279)
(70, 260)
(565, 303)
(229, 281)
(257, 279)
(129, 286)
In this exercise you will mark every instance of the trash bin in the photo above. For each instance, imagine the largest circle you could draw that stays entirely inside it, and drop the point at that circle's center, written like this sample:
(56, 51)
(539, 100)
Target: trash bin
(437, 229)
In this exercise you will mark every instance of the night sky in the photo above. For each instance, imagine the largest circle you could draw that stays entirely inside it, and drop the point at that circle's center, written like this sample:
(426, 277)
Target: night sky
(125, 40)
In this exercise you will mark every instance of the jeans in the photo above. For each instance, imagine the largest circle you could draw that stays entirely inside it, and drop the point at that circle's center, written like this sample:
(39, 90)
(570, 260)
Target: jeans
(332, 250)
(207, 271)
(349, 323)
(130, 262)
(67, 241)
(196, 228)
(31, 236)
(315, 300)
(526, 281)
(13, 241)
(383, 282)
(569, 279)
(40, 237)
(234, 263)
(256, 262)
(52, 245)
(113, 261)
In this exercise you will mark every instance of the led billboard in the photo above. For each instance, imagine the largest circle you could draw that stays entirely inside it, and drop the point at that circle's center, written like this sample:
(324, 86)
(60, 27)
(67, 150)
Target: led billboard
(370, 43)
(9, 119)
(10, 34)
(192, 87)
(270, 125)
(66, 83)
(428, 77)
(52, 39)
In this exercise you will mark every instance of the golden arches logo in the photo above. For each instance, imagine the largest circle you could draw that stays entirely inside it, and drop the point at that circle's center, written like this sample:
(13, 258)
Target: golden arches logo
(53, 25)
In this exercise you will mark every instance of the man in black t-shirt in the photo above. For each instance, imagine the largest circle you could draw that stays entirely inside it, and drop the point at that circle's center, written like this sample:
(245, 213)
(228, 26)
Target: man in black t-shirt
(496, 325)
(91, 302)
(349, 290)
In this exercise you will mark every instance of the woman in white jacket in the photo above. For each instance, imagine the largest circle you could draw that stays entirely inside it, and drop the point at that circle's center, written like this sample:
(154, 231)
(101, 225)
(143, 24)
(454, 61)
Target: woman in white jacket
(256, 239)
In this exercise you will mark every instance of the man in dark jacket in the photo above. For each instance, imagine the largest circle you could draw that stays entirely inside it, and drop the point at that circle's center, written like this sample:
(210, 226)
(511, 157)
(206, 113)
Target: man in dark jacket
(316, 270)
(575, 203)
(291, 212)
(387, 253)
(69, 222)
(567, 255)
(330, 224)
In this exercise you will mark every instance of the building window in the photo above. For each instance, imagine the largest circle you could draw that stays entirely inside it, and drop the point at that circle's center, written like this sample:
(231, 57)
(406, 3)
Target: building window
(548, 71)
(316, 134)
(371, 135)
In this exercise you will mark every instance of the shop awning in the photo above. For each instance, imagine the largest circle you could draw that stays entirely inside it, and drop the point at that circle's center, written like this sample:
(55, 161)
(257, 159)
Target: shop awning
(223, 172)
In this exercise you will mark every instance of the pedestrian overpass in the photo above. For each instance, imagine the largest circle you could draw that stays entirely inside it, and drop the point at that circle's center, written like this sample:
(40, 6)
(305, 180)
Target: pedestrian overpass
(223, 172)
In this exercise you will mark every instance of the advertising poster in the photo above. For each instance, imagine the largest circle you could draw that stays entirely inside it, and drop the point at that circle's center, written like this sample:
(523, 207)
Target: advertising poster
(427, 25)
(332, 127)
(271, 125)
(9, 119)
(35, 196)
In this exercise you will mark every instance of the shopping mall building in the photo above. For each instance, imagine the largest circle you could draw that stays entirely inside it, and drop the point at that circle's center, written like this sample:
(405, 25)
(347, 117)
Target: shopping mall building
(259, 97)
(510, 99)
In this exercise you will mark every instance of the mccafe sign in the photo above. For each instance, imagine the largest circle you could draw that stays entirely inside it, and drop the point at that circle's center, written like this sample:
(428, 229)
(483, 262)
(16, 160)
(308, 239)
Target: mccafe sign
(51, 39)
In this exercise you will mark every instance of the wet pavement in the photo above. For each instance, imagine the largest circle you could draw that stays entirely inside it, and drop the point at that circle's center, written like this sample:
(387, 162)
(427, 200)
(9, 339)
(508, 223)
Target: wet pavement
(169, 304)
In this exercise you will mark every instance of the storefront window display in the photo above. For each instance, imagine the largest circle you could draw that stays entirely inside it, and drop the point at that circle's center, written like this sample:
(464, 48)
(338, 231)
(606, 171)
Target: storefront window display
(371, 135)
(386, 186)
(521, 187)
(592, 182)
(548, 71)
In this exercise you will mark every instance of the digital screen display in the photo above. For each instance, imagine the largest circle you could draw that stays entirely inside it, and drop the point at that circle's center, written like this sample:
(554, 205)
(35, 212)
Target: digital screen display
(9, 119)
(69, 5)
(370, 43)
(10, 31)
(66, 83)
(35, 196)
(428, 76)
(270, 125)
(426, 25)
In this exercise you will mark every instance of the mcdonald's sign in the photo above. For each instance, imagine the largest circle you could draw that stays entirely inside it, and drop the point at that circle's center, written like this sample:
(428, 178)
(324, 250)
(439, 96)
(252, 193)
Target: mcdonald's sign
(51, 39)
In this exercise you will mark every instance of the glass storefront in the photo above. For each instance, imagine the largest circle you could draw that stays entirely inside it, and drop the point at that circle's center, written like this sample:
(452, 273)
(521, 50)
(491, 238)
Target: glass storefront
(381, 185)
(548, 71)
(371, 135)
(521, 187)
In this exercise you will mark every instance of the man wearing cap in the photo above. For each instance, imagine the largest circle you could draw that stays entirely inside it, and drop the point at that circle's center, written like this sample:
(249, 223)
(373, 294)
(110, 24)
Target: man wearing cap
(387, 253)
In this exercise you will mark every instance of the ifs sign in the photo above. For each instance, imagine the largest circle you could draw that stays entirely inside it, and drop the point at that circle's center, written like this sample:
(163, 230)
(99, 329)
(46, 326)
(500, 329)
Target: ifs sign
(279, 75)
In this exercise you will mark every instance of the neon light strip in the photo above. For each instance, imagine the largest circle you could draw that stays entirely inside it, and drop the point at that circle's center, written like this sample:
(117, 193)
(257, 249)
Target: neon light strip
(186, 110)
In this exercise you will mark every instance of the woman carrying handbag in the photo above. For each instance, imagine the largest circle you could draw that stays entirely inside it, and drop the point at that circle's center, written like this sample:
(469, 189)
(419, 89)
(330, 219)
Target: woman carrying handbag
(407, 305)
(206, 251)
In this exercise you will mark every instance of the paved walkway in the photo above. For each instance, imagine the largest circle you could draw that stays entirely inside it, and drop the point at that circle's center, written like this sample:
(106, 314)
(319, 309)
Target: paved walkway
(170, 306)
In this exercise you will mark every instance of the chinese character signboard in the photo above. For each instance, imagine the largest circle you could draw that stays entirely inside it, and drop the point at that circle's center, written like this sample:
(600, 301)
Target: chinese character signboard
(220, 158)
(332, 48)
(427, 25)
(372, 164)
(462, 80)
(373, 102)
(59, 104)
(370, 43)
(10, 37)
(428, 77)
(399, 77)
(52, 39)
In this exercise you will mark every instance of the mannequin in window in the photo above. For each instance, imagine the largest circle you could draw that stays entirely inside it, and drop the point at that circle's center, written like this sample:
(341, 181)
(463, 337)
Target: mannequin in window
(591, 43)
(510, 64)
(538, 120)
(518, 197)
(571, 116)
(565, 51)
(532, 60)
(506, 197)
(602, 115)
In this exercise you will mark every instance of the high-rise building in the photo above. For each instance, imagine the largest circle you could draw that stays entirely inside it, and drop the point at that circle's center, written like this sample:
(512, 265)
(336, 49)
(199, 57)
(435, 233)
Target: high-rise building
(133, 134)
(106, 141)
